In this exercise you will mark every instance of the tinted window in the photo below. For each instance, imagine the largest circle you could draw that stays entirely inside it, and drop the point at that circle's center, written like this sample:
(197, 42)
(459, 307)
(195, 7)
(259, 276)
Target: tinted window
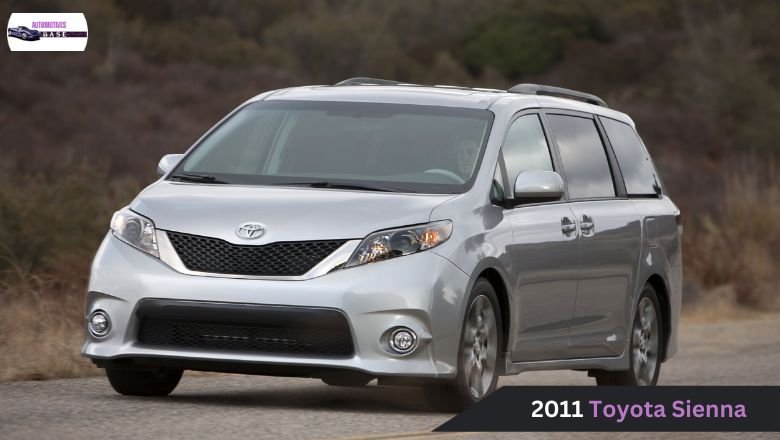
(525, 147)
(584, 160)
(635, 163)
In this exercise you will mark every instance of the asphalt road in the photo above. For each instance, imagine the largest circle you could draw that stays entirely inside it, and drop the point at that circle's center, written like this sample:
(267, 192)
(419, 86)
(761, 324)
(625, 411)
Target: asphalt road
(234, 406)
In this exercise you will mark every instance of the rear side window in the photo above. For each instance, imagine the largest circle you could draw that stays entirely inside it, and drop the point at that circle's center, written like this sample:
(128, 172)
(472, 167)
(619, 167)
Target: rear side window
(583, 156)
(634, 161)
(525, 147)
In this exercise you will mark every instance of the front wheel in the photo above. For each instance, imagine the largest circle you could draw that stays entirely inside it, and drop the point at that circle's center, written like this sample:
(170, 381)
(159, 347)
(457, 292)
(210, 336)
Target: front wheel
(644, 352)
(159, 382)
(480, 344)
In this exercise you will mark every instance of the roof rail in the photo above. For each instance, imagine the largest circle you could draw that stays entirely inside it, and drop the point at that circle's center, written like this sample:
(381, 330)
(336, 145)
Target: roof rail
(536, 89)
(364, 81)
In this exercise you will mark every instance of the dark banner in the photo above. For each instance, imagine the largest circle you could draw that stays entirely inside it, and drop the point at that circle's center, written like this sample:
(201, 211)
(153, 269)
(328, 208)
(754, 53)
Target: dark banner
(684, 408)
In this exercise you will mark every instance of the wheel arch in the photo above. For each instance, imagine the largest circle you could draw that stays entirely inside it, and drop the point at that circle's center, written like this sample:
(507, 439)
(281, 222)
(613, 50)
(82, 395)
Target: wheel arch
(496, 279)
(662, 292)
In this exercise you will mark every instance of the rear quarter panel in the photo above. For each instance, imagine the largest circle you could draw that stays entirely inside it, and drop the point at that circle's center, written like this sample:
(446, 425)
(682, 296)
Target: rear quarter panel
(662, 255)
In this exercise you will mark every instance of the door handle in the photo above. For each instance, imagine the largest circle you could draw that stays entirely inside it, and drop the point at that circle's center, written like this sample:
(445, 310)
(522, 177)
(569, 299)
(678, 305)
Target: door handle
(587, 225)
(568, 226)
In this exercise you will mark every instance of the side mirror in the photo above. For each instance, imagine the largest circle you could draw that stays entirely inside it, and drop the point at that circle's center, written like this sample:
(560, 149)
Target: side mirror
(533, 186)
(167, 163)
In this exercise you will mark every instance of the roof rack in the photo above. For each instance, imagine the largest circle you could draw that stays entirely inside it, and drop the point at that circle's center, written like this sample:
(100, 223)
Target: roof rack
(364, 81)
(536, 89)
(525, 89)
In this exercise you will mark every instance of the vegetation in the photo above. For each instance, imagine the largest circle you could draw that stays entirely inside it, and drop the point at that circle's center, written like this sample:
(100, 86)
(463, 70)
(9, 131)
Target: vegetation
(80, 133)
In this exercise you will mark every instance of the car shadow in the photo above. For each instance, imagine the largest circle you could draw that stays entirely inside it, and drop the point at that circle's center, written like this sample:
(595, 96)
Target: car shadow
(368, 399)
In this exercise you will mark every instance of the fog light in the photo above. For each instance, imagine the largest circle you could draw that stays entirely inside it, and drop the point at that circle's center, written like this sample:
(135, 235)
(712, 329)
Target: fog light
(403, 340)
(99, 324)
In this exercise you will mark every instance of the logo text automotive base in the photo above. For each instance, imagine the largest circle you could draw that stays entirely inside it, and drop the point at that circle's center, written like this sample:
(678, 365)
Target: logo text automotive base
(47, 32)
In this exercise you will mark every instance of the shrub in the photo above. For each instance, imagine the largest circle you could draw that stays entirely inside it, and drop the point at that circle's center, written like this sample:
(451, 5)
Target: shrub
(51, 222)
(56, 212)
(739, 243)
(530, 37)
(211, 40)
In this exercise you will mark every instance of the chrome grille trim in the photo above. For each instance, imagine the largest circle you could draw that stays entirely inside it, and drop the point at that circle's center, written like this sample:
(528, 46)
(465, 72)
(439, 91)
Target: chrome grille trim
(340, 256)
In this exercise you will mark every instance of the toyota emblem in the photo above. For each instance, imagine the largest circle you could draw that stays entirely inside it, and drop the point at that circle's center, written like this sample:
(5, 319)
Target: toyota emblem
(250, 230)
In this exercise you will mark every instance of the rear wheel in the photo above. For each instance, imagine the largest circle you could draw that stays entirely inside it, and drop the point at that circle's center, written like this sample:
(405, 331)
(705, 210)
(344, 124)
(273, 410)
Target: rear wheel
(158, 382)
(645, 349)
(477, 356)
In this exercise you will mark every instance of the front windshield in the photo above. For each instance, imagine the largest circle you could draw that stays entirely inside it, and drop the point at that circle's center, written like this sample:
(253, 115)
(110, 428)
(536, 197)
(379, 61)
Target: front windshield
(394, 147)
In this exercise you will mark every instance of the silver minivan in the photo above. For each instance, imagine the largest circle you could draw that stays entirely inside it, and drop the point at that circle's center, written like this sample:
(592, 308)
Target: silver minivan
(432, 236)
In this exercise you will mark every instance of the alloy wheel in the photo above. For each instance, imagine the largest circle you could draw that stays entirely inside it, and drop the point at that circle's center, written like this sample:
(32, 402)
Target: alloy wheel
(645, 342)
(480, 346)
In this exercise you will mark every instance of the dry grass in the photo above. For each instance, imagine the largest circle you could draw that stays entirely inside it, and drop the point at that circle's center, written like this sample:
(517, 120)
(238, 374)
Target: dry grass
(736, 248)
(50, 225)
(41, 328)
(721, 305)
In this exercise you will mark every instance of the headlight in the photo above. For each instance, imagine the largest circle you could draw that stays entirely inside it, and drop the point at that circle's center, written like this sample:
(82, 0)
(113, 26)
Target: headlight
(135, 230)
(393, 243)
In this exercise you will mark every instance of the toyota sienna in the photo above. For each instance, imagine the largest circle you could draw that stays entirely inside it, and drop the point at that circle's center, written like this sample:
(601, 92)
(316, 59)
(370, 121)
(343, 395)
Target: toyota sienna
(432, 236)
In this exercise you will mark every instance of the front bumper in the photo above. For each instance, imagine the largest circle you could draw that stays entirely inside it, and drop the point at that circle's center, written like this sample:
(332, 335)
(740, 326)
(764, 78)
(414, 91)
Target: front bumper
(422, 291)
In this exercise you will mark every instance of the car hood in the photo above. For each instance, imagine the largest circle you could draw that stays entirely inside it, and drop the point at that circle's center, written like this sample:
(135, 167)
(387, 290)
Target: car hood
(288, 214)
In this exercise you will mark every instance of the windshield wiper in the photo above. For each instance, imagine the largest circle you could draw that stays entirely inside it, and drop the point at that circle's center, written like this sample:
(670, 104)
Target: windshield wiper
(332, 185)
(201, 178)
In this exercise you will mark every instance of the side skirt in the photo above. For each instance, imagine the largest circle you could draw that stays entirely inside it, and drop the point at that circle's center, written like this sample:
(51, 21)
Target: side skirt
(606, 363)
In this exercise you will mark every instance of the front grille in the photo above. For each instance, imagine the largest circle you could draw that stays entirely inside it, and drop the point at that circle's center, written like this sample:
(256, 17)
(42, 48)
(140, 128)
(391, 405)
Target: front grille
(212, 255)
(244, 328)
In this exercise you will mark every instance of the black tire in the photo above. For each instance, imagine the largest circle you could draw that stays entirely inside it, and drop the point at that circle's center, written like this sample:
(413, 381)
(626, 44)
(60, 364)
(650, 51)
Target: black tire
(638, 364)
(456, 395)
(159, 382)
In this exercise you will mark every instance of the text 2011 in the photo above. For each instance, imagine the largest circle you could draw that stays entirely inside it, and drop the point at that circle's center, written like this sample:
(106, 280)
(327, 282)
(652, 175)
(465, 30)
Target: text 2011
(554, 409)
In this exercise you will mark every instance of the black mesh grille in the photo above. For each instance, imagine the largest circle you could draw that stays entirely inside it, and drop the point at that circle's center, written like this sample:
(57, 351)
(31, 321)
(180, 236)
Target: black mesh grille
(252, 328)
(291, 258)
(246, 338)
